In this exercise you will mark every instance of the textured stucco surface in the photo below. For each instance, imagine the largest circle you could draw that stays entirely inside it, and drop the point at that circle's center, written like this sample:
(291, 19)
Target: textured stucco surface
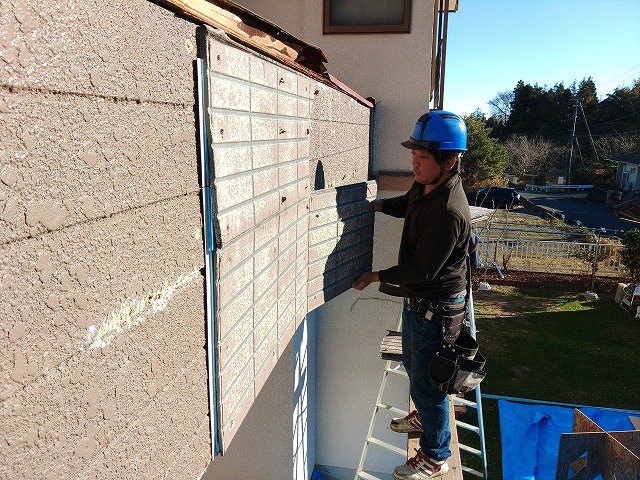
(120, 49)
(69, 159)
(103, 367)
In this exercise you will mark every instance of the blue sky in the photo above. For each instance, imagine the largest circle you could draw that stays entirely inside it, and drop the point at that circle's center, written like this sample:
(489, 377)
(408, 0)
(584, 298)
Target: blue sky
(494, 43)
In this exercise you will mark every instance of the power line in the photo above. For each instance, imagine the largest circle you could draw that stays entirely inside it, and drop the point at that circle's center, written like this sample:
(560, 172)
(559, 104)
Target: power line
(619, 76)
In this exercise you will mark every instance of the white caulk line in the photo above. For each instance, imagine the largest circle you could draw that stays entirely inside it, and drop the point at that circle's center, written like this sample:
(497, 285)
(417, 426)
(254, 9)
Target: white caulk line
(133, 310)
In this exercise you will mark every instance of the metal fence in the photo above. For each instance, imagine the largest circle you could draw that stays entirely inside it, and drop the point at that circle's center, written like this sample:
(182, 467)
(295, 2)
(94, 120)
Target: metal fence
(553, 256)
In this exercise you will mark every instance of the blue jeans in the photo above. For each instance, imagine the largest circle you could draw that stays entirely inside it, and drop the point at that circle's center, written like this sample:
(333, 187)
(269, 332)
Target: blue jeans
(420, 340)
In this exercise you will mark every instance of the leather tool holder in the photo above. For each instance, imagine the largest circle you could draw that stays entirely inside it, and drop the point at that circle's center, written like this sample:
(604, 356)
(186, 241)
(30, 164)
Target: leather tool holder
(458, 367)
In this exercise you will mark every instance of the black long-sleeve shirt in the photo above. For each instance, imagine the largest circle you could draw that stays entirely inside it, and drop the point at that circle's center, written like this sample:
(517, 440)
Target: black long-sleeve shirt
(435, 237)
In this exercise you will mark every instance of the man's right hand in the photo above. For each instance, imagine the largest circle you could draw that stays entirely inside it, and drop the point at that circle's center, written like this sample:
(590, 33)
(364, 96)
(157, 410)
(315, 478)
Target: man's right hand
(365, 279)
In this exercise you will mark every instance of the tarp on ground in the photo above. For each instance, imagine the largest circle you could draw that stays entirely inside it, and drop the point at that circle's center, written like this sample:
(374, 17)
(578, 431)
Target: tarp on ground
(530, 435)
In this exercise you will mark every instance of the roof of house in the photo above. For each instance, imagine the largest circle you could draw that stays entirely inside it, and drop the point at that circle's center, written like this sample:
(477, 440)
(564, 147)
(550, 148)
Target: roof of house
(629, 211)
(480, 214)
(633, 157)
(259, 34)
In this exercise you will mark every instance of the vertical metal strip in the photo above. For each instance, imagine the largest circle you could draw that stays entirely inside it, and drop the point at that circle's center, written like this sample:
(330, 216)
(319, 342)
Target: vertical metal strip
(209, 248)
(443, 58)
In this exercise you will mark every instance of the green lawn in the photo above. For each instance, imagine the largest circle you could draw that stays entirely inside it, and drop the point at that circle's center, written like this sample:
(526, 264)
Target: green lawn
(549, 345)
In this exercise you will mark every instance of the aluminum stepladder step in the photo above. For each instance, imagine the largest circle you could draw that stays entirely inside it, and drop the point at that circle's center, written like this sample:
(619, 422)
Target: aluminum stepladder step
(393, 367)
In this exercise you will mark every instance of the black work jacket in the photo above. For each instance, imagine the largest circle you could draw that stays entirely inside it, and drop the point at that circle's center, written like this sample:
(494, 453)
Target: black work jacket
(433, 250)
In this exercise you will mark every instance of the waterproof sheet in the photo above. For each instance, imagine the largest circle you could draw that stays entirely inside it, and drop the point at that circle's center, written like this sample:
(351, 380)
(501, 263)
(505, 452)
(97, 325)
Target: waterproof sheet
(530, 436)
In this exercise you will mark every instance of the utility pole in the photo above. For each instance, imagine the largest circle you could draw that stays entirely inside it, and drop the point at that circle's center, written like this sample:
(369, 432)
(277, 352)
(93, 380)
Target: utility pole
(576, 102)
(586, 124)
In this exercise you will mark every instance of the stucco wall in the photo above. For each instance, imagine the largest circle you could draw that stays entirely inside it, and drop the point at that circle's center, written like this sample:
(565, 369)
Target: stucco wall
(395, 69)
(101, 294)
(103, 370)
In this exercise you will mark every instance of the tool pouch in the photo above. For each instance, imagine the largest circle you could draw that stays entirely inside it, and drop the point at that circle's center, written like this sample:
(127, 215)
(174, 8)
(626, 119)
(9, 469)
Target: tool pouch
(457, 367)
(450, 320)
(452, 326)
(469, 374)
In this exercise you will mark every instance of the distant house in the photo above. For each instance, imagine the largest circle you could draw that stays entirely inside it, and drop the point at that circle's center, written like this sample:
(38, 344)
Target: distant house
(627, 173)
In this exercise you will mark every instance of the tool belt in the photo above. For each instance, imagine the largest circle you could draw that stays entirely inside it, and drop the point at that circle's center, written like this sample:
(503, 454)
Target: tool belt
(449, 316)
(457, 367)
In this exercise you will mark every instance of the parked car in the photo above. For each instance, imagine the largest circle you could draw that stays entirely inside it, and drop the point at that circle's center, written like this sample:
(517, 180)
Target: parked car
(494, 197)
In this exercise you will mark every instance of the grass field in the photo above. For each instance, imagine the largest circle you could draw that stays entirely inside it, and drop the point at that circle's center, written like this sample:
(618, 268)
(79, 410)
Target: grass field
(545, 342)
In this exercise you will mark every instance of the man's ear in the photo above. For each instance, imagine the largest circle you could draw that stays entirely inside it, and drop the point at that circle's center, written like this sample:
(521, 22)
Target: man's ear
(450, 162)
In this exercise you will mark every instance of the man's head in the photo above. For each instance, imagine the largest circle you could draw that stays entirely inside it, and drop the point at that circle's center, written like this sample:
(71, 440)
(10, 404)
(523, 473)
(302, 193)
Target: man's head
(443, 135)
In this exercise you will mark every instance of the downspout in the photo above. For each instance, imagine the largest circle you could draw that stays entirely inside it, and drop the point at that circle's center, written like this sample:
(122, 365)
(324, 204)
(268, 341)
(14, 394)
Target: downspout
(209, 249)
(434, 48)
(443, 61)
(439, 52)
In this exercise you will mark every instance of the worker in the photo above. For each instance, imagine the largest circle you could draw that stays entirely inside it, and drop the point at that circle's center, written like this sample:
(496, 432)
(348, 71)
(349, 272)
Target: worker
(432, 274)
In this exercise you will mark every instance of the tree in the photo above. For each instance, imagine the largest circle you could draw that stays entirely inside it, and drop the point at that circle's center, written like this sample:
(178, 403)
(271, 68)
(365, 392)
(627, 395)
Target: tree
(587, 94)
(620, 111)
(530, 117)
(485, 158)
(613, 145)
(500, 106)
(547, 112)
(524, 116)
(631, 254)
(530, 155)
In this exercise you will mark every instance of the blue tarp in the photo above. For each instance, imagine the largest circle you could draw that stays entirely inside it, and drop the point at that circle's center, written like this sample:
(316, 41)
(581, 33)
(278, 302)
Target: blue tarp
(530, 435)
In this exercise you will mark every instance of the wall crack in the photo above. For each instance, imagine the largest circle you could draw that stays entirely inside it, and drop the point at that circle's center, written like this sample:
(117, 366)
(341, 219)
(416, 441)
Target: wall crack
(399, 302)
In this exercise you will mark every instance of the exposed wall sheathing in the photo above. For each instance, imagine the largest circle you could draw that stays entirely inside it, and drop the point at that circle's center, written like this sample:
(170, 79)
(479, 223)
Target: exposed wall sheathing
(260, 123)
(102, 363)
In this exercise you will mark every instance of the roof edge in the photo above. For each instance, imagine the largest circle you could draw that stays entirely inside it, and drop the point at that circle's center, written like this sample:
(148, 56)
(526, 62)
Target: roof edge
(263, 36)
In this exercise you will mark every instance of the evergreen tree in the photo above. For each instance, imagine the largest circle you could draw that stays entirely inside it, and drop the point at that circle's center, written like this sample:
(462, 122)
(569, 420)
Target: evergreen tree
(485, 159)
(536, 116)
(619, 113)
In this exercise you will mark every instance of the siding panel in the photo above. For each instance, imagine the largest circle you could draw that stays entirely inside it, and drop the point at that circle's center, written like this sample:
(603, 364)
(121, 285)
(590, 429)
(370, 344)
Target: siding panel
(277, 131)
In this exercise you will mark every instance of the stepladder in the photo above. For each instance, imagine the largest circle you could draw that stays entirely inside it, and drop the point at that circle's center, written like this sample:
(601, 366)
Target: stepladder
(468, 449)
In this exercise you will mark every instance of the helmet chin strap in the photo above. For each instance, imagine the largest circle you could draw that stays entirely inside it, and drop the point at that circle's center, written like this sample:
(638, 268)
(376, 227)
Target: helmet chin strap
(438, 155)
(438, 177)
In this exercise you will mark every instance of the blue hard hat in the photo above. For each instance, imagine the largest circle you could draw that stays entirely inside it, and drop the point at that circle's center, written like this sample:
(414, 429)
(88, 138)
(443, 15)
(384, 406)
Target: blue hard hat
(438, 130)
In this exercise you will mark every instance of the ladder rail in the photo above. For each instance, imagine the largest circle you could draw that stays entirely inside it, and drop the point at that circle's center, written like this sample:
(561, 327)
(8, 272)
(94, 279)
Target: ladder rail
(483, 447)
(389, 369)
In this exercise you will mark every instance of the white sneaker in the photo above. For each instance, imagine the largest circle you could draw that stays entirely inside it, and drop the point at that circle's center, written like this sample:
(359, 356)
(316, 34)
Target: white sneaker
(409, 424)
(420, 467)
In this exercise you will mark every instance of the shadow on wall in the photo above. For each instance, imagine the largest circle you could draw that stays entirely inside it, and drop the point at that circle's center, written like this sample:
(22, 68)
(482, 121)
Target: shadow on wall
(319, 183)
(353, 251)
(303, 446)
